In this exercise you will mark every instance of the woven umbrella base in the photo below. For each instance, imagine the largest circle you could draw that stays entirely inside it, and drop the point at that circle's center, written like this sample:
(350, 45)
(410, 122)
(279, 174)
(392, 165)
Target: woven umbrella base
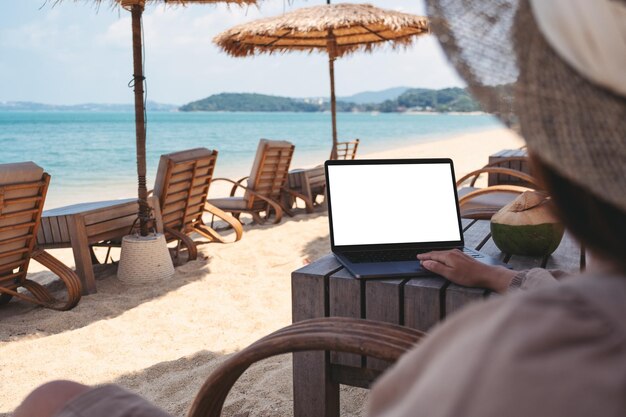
(144, 259)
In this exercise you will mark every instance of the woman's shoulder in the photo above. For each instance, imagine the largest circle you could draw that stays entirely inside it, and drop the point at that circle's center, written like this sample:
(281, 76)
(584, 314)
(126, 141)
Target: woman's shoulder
(523, 354)
(589, 307)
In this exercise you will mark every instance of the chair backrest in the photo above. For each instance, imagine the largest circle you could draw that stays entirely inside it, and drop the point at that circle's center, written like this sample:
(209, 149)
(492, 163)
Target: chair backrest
(23, 188)
(347, 150)
(182, 184)
(269, 171)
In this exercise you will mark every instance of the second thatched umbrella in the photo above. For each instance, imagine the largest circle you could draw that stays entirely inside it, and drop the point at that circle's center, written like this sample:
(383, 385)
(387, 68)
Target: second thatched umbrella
(337, 29)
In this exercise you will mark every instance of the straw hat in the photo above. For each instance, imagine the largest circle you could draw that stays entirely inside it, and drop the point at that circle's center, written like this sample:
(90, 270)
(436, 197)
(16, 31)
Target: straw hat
(557, 70)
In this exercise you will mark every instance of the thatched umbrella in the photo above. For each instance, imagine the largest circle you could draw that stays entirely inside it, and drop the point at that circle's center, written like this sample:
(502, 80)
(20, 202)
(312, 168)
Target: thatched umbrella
(136, 8)
(337, 29)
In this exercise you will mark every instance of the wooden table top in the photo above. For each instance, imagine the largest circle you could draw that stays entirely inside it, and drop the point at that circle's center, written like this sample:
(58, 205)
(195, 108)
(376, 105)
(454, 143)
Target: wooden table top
(567, 257)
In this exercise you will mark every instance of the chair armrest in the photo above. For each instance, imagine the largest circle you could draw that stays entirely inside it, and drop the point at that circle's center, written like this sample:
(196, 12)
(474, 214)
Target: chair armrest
(237, 184)
(512, 189)
(232, 222)
(364, 337)
(67, 276)
(496, 170)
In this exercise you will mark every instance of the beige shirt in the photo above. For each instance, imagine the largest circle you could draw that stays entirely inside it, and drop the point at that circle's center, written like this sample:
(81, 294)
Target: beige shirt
(554, 350)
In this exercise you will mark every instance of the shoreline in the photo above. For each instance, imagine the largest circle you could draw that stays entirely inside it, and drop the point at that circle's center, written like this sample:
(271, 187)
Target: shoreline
(407, 147)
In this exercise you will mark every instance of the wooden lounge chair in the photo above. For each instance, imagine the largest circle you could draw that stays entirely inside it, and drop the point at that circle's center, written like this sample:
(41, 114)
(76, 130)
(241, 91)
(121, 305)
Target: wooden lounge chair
(347, 150)
(182, 185)
(23, 188)
(363, 337)
(264, 187)
(483, 203)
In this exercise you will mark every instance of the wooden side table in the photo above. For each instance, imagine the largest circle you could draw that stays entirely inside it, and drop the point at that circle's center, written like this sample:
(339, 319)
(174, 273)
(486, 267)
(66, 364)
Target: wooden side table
(518, 163)
(81, 225)
(309, 182)
(324, 288)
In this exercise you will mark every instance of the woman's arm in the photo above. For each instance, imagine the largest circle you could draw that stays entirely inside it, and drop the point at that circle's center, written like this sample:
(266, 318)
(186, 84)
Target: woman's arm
(464, 270)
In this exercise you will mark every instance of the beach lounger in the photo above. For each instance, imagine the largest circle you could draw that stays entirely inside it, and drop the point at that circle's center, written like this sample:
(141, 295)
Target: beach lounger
(23, 188)
(265, 185)
(483, 203)
(347, 150)
(181, 186)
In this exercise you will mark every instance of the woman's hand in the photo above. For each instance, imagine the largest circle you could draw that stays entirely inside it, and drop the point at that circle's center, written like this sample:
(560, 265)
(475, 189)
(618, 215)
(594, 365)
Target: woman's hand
(464, 270)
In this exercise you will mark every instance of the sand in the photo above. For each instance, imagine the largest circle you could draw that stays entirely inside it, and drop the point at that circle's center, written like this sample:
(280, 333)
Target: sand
(162, 339)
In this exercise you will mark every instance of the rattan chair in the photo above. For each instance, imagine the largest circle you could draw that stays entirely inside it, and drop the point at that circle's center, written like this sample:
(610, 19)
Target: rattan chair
(363, 337)
(483, 203)
(265, 185)
(181, 186)
(23, 188)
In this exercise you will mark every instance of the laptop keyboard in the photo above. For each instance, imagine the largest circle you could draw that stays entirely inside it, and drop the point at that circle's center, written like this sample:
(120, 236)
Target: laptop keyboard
(394, 255)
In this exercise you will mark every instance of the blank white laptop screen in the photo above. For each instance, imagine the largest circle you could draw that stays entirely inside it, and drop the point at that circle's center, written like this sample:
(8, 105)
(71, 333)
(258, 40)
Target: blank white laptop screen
(393, 203)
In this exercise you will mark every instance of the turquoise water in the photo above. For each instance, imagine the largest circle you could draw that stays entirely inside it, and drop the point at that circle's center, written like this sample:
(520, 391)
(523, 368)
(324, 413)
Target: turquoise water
(85, 151)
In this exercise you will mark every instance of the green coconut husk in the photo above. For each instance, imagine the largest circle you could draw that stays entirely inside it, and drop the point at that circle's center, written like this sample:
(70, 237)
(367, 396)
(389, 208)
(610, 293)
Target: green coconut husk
(527, 226)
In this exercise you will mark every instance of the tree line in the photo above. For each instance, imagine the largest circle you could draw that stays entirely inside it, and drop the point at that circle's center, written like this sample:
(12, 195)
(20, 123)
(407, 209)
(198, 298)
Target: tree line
(416, 99)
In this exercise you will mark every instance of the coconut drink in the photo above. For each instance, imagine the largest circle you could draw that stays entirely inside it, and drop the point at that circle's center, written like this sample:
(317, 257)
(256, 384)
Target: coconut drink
(527, 226)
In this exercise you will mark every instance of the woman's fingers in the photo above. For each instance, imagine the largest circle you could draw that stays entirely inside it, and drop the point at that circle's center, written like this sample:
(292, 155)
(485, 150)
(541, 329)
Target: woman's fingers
(451, 264)
(438, 268)
(444, 256)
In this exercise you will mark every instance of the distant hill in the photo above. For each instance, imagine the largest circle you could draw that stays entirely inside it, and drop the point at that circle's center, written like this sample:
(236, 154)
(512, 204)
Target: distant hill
(258, 102)
(375, 96)
(95, 107)
(414, 99)
(424, 99)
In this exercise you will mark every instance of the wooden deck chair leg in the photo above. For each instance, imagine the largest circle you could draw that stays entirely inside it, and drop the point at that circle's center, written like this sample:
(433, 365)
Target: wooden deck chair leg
(256, 217)
(5, 298)
(94, 258)
(40, 294)
(212, 234)
(186, 241)
(107, 256)
(272, 207)
(308, 202)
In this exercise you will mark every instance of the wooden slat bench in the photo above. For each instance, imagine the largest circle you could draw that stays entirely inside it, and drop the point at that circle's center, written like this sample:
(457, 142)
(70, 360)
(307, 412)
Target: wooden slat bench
(324, 288)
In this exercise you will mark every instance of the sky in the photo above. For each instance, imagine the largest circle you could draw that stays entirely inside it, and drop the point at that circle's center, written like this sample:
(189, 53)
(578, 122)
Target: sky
(76, 53)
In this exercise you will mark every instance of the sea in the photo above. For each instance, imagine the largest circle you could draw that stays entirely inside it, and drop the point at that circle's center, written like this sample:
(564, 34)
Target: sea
(92, 154)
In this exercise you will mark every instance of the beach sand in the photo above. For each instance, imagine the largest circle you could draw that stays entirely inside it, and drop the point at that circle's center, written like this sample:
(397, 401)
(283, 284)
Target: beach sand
(163, 339)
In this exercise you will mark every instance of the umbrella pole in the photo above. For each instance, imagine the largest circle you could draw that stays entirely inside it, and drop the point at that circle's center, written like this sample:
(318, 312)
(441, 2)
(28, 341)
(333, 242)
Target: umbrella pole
(140, 122)
(333, 105)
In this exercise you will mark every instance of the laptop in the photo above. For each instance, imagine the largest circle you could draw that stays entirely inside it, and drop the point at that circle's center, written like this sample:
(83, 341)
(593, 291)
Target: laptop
(383, 212)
